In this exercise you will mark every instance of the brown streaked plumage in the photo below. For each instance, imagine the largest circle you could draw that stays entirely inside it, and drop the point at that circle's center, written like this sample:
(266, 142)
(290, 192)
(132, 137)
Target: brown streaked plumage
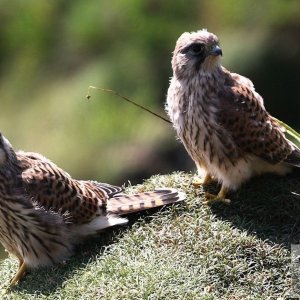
(221, 119)
(44, 212)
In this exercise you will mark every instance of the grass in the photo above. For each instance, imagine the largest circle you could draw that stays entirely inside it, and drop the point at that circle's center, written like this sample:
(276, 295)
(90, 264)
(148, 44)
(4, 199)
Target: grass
(187, 251)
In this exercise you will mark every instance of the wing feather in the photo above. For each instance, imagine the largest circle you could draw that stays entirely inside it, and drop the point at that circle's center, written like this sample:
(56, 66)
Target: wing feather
(53, 189)
(253, 130)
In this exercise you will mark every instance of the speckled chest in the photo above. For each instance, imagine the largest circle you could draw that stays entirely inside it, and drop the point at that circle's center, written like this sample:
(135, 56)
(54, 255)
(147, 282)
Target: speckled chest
(192, 109)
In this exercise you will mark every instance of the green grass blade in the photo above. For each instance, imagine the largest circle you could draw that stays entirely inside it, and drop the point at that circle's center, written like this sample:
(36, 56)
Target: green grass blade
(290, 131)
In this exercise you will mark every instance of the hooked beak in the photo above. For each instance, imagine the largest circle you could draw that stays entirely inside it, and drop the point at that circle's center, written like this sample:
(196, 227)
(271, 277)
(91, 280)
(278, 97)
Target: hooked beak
(216, 51)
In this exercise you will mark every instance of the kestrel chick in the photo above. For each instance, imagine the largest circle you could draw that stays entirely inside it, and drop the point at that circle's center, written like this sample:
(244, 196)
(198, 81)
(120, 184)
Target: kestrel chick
(44, 212)
(221, 119)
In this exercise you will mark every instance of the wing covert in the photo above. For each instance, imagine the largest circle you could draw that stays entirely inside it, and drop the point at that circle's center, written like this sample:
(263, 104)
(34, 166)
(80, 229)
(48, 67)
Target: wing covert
(252, 129)
(53, 189)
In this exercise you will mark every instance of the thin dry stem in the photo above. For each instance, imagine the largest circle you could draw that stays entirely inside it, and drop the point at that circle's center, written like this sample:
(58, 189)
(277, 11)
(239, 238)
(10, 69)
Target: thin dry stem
(88, 96)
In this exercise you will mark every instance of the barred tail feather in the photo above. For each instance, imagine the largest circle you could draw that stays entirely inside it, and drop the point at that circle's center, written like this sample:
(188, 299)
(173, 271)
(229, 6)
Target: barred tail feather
(111, 190)
(125, 204)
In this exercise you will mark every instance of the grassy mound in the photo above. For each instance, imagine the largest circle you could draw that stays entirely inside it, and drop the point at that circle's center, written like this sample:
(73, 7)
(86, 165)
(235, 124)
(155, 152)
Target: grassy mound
(186, 251)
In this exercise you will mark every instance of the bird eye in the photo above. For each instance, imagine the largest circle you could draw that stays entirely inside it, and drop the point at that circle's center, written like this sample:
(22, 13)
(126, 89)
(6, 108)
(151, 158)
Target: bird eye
(196, 49)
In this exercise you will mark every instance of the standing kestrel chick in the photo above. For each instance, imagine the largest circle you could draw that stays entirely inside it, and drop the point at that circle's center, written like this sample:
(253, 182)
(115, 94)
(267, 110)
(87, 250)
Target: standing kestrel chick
(44, 212)
(221, 119)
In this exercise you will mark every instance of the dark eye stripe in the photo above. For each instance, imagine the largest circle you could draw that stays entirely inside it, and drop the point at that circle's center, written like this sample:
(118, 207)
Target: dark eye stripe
(195, 48)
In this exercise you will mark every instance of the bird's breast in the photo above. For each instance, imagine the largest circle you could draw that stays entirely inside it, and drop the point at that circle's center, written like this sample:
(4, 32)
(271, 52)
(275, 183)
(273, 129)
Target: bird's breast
(193, 109)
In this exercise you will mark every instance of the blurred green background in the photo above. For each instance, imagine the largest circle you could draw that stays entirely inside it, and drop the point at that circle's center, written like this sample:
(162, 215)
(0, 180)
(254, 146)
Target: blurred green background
(51, 51)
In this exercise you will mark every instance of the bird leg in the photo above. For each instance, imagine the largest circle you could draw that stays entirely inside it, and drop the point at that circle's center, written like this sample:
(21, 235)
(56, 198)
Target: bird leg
(221, 197)
(20, 273)
(207, 179)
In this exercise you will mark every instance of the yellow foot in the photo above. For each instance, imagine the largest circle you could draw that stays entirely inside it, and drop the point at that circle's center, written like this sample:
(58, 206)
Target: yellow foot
(207, 179)
(20, 274)
(221, 197)
(210, 199)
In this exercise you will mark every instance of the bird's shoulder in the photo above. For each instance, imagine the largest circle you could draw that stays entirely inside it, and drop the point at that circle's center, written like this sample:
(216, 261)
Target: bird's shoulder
(237, 79)
(241, 86)
(37, 169)
(237, 94)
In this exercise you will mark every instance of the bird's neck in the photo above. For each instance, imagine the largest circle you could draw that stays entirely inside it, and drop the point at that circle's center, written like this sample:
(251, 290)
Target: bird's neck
(211, 74)
(204, 79)
(200, 91)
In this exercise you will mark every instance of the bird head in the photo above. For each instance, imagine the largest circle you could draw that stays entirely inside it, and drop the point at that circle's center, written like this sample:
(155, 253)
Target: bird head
(195, 52)
(7, 154)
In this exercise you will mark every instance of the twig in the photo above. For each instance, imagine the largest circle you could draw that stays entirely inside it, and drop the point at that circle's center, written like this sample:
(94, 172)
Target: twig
(295, 194)
(88, 96)
(292, 132)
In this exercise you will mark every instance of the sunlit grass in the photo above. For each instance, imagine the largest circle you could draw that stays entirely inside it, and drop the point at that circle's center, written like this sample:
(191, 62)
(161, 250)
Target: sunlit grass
(187, 251)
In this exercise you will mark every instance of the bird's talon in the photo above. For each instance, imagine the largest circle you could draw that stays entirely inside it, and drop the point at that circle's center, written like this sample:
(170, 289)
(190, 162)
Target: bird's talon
(211, 198)
(197, 181)
(226, 201)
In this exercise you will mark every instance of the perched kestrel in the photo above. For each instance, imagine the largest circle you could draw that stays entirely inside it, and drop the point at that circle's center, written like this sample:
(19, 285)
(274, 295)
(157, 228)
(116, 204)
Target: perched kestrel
(44, 212)
(221, 119)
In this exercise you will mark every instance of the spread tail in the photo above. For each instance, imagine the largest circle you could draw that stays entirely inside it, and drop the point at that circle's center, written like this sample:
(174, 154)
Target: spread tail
(125, 204)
